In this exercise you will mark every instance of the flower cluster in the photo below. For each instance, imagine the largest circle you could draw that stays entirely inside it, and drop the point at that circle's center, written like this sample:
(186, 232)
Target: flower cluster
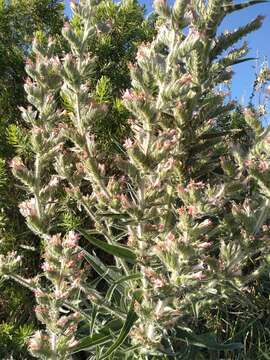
(63, 267)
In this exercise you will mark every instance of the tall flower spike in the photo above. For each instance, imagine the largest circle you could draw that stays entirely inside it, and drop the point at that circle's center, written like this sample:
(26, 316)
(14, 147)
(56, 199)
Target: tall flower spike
(63, 268)
(46, 140)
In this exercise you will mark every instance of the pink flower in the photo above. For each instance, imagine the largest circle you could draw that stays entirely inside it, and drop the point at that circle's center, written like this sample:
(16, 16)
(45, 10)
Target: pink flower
(192, 210)
(180, 189)
(173, 132)
(55, 240)
(122, 179)
(66, 25)
(37, 130)
(185, 79)
(169, 241)
(17, 164)
(54, 181)
(39, 293)
(70, 330)
(80, 255)
(131, 66)
(128, 144)
(28, 61)
(222, 158)
(28, 81)
(124, 201)
(37, 341)
(198, 275)
(181, 211)
(141, 52)
(62, 321)
(55, 64)
(169, 164)
(195, 185)
(167, 144)
(248, 112)
(47, 267)
(34, 344)
(70, 264)
(148, 272)
(59, 294)
(158, 283)
(170, 236)
(72, 239)
(161, 227)
(263, 166)
(41, 309)
(73, 342)
(157, 184)
(128, 95)
(204, 245)
(102, 168)
(28, 208)
(249, 163)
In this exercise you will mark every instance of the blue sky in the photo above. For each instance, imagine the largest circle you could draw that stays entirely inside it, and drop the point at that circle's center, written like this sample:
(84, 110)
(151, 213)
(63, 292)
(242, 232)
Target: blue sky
(259, 43)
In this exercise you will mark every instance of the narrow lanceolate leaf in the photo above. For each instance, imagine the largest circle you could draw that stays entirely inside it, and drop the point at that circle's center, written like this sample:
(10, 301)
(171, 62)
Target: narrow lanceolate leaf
(130, 320)
(105, 272)
(116, 250)
(90, 342)
(243, 60)
(122, 280)
(235, 7)
(206, 341)
(224, 41)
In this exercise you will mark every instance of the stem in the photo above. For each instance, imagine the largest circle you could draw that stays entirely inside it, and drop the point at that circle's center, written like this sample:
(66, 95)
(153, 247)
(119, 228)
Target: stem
(37, 186)
(139, 226)
(78, 115)
(75, 309)
(21, 281)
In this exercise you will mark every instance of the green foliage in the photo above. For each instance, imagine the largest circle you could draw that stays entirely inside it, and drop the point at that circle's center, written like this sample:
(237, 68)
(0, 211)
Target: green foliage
(103, 91)
(3, 174)
(70, 221)
(18, 138)
(15, 339)
(19, 21)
